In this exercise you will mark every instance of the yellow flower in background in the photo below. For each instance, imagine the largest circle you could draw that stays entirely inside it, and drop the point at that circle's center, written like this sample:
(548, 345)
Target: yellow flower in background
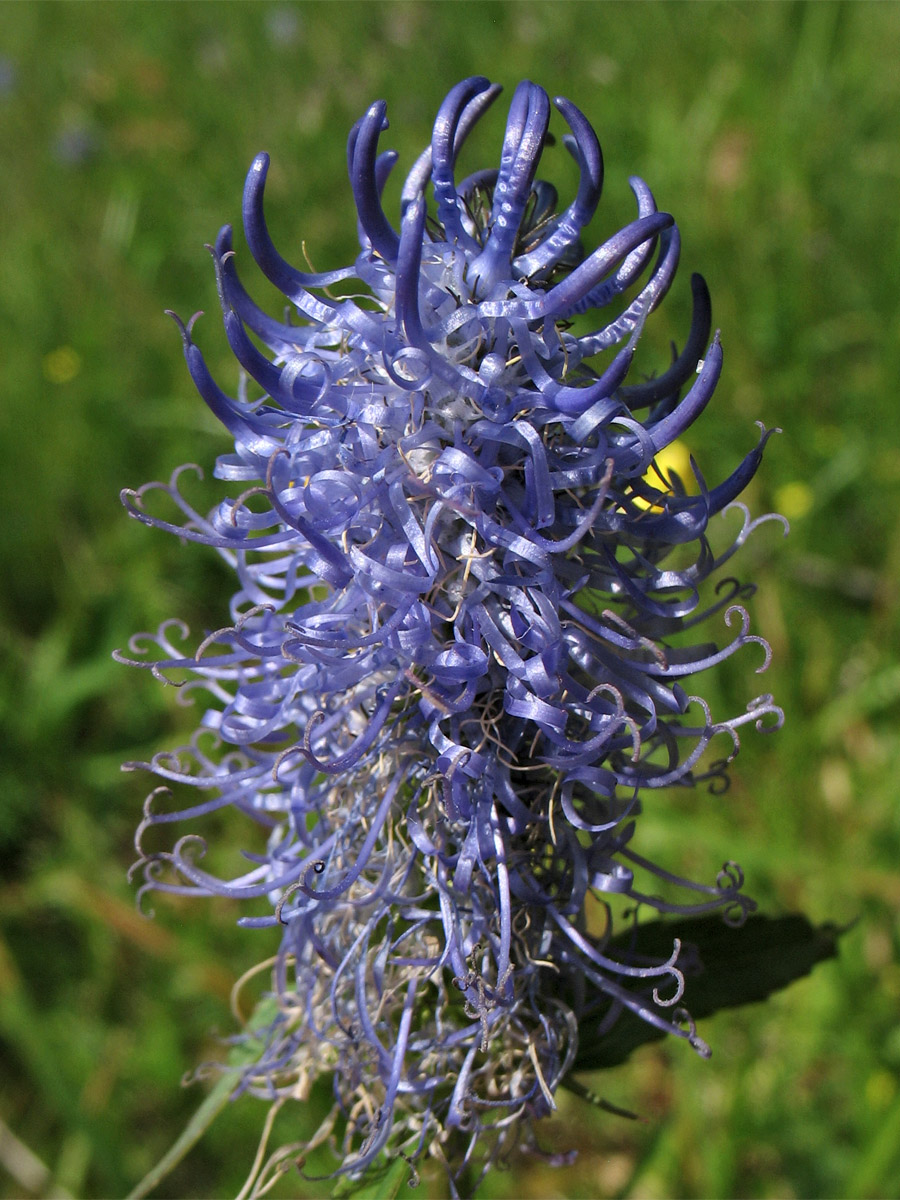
(794, 499)
(674, 457)
(61, 365)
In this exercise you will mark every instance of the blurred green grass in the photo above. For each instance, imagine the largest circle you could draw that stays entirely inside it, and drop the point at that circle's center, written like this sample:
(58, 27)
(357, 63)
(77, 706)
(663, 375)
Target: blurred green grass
(772, 131)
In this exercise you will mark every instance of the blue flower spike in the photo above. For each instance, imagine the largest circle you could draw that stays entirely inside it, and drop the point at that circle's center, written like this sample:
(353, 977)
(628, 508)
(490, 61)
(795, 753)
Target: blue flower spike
(459, 655)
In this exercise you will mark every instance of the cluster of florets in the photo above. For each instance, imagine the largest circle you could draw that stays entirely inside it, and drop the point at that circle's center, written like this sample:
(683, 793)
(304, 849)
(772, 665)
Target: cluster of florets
(456, 657)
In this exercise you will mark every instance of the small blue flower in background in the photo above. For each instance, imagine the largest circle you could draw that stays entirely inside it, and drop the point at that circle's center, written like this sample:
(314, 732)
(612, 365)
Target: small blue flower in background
(461, 645)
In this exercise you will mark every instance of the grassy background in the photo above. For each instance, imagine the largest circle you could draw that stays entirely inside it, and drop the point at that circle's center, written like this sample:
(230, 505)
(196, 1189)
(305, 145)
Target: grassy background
(772, 131)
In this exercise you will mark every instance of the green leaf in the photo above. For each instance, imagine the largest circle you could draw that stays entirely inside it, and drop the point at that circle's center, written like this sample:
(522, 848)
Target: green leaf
(241, 1055)
(380, 1184)
(739, 966)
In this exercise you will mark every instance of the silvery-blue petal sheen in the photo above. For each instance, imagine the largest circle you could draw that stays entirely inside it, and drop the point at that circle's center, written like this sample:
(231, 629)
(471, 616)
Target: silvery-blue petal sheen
(460, 647)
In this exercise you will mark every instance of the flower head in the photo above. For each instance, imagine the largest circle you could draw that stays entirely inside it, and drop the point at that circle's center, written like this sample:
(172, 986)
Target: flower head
(460, 646)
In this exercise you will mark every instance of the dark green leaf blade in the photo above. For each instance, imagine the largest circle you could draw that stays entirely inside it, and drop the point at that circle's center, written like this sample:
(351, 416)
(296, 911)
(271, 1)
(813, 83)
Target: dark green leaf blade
(739, 966)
